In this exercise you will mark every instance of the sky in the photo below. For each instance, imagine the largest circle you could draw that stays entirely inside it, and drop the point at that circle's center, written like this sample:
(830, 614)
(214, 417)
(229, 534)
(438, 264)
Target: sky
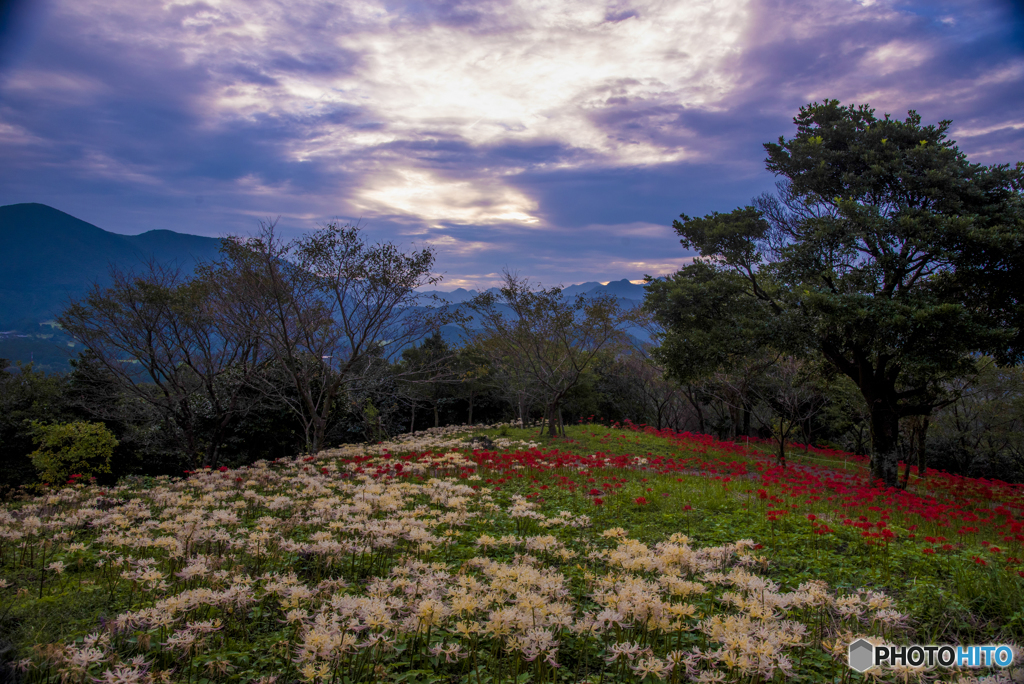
(554, 138)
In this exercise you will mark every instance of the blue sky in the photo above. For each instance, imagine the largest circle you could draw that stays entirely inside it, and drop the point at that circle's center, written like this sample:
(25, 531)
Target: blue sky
(557, 138)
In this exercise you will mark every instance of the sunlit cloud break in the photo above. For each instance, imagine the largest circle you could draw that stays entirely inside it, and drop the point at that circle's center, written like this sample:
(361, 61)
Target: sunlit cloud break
(501, 132)
(482, 76)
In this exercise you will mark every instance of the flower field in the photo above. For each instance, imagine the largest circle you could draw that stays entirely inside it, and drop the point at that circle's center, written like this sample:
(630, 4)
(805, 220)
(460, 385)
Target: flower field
(619, 554)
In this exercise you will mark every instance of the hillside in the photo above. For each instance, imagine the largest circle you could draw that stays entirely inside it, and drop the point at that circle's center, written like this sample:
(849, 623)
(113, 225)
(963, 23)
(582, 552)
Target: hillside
(48, 257)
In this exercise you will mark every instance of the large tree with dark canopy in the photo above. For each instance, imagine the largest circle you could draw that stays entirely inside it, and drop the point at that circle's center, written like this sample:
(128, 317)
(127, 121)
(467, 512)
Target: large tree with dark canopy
(885, 250)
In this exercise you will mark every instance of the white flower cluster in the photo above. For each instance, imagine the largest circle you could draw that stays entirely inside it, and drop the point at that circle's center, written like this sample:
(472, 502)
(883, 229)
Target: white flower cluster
(360, 574)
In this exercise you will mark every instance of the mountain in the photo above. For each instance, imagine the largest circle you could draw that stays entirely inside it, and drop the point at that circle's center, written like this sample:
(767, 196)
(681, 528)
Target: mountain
(48, 258)
(628, 294)
(632, 293)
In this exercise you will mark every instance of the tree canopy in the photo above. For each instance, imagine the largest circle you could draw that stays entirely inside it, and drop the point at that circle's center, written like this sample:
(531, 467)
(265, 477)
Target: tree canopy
(884, 250)
(541, 336)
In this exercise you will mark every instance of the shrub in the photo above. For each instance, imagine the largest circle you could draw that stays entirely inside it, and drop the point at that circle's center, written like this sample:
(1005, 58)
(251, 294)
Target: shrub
(66, 449)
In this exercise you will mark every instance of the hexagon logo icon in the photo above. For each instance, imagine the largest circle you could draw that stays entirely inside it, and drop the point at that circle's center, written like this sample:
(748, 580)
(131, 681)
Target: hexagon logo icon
(862, 655)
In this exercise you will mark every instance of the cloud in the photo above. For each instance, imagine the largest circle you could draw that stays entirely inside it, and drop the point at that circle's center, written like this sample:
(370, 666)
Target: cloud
(527, 133)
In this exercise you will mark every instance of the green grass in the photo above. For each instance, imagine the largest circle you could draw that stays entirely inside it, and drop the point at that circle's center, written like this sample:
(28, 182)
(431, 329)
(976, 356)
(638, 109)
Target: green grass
(47, 617)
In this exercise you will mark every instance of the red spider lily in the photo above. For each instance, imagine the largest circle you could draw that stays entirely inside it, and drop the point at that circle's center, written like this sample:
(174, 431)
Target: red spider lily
(640, 501)
(928, 551)
(942, 500)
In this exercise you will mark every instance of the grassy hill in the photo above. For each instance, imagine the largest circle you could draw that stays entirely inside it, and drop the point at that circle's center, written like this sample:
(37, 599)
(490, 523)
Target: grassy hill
(617, 554)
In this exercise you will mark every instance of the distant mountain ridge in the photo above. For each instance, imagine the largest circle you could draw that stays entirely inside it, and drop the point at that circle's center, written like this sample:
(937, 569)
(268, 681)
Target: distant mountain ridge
(48, 257)
(632, 293)
(628, 294)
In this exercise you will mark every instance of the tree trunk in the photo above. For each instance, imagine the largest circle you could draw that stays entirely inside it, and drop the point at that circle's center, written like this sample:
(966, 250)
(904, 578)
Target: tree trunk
(746, 420)
(552, 420)
(412, 418)
(470, 419)
(306, 426)
(319, 430)
(918, 436)
(922, 455)
(696, 407)
(885, 434)
(437, 418)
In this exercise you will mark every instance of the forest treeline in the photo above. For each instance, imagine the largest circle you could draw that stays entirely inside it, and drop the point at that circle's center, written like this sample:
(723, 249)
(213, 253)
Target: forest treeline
(235, 414)
(872, 303)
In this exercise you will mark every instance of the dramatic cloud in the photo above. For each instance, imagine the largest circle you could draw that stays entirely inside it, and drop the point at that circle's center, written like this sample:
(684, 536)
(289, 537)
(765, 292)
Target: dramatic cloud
(557, 138)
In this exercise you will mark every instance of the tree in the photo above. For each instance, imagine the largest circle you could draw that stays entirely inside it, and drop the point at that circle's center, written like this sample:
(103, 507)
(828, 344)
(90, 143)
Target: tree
(427, 376)
(982, 431)
(26, 395)
(789, 397)
(67, 450)
(511, 379)
(860, 257)
(709, 329)
(321, 306)
(161, 338)
(542, 335)
(637, 388)
(474, 377)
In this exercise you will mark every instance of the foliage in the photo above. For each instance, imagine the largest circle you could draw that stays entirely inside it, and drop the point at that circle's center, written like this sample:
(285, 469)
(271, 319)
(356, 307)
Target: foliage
(321, 306)
(981, 433)
(537, 336)
(69, 450)
(26, 395)
(860, 257)
(159, 337)
(708, 322)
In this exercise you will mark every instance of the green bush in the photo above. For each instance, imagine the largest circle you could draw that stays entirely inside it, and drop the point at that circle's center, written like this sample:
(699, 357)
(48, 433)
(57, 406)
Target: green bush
(66, 449)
